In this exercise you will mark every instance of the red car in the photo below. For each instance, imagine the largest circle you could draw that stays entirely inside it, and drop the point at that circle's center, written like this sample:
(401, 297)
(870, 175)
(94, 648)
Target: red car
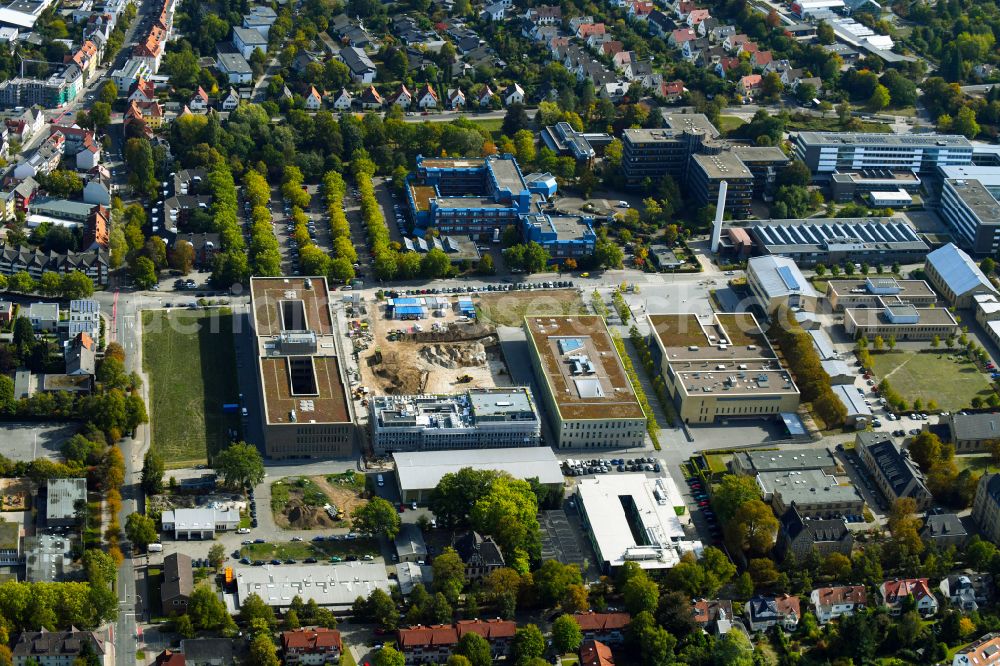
(402, 508)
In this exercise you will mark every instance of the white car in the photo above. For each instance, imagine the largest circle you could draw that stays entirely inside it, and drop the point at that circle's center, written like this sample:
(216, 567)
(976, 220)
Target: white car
(243, 530)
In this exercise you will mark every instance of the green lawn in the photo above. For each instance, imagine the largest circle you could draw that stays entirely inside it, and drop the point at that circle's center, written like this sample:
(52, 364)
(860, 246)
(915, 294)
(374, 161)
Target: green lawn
(190, 360)
(154, 576)
(488, 124)
(311, 493)
(729, 123)
(975, 463)
(300, 550)
(947, 379)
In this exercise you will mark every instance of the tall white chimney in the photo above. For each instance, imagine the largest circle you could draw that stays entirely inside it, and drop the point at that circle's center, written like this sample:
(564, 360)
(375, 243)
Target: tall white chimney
(720, 209)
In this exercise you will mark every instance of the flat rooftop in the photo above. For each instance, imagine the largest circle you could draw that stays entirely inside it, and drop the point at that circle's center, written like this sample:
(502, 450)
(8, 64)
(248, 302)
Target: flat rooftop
(568, 227)
(297, 352)
(761, 154)
(330, 585)
(452, 163)
(877, 176)
(877, 317)
(649, 533)
(903, 288)
(582, 369)
(726, 354)
(284, 304)
(422, 195)
(787, 460)
(722, 165)
(862, 138)
(455, 411)
(691, 122)
(469, 202)
(825, 234)
(975, 196)
(420, 470)
(506, 173)
(637, 135)
(807, 486)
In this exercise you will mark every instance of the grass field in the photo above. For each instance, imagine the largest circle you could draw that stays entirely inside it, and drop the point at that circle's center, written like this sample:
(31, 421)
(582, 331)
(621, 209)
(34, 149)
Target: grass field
(975, 463)
(300, 550)
(950, 381)
(190, 360)
(510, 307)
(488, 124)
(729, 123)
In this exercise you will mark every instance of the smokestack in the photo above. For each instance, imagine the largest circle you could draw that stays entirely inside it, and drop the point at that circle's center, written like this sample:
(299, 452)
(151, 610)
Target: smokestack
(720, 209)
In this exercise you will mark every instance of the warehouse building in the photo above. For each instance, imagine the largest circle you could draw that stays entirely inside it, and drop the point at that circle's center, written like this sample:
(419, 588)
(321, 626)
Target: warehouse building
(307, 412)
(634, 518)
(829, 152)
(829, 241)
(478, 418)
(899, 320)
(956, 276)
(720, 369)
(418, 473)
(332, 586)
(858, 414)
(870, 292)
(777, 282)
(588, 395)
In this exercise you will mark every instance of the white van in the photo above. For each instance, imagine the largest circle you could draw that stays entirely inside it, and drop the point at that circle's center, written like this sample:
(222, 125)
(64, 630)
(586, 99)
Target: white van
(155, 548)
(380, 480)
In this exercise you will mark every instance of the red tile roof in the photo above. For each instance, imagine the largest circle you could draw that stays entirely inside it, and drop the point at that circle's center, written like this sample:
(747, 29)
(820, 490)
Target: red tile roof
(488, 629)
(318, 639)
(842, 594)
(893, 591)
(596, 653)
(442, 634)
(602, 621)
(168, 657)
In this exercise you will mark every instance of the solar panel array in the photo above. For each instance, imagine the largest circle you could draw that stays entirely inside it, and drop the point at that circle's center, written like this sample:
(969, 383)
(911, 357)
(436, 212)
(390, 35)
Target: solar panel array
(835, 233)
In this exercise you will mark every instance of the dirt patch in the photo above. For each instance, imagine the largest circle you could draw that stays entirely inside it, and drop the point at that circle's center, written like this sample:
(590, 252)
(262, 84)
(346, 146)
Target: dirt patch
(306, 503)
(413, 368)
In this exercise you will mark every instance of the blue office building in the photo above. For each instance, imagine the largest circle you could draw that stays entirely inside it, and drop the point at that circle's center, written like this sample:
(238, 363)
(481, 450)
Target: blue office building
(481, 196)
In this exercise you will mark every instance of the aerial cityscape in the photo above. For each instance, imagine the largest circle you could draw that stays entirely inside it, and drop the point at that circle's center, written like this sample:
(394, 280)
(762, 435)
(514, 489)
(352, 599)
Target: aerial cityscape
(441, 332)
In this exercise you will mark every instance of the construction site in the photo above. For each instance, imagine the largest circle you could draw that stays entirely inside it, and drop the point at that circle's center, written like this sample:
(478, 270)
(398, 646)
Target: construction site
(441, 349)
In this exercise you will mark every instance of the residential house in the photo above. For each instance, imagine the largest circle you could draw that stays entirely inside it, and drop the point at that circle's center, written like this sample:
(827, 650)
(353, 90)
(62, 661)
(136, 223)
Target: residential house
(944, 530)
(343, 100)
(968, 591)
(577, 21)
(199, 101)
(544, 15)
(362, 68)
(735, 41)
(983, 652)
(608, 628)
(760, 59)
(696, 16)
(713, 615)
(485, 97)
(141, 91)
(750, 84)
(370, 99)
(831, 603)
(170, 658)
(719, 34)
(177, 585)
(434, 644)
(894, 592)
(512, 94)
(684, 7)
(84, 317)
(409, 544)
(596, 653)
(799, 535)
(235, 66)
(311, 647)
(640, 10)
(455, 99)
(89, 155)
(672, 91)
(427, 97)
(81, 355)
(26, 125)
(493, 12)
(313, 101)
(208, 651)
(230, 101)
(96, 189)
(44, 317)
(587, 29)
(681, 35)
(7, 310)
(260, 18)
(60, 648)
(660, 25)
(765, 612)
(248, 40)
(480, 554)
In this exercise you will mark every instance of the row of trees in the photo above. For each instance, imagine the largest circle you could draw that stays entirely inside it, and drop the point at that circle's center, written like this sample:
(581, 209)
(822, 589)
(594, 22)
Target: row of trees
(232, 265)
(801, 357)
(339, 266)
(74, 284)
(265, 256)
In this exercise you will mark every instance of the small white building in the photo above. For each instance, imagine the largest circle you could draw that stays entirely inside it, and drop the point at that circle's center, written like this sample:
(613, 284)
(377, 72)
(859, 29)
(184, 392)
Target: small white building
(513, 94)
(203, 523)
(314, 101)
(84, 317)
(343, 100)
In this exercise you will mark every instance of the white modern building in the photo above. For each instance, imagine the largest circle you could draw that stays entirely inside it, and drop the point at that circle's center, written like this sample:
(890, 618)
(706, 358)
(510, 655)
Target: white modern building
(330, 586)
(634, 518)
(777, 281)
(202, 523)
(419, 472)
(830, 152)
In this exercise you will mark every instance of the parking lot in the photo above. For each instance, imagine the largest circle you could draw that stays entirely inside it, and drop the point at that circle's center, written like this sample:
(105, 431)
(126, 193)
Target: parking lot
(24, 442)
